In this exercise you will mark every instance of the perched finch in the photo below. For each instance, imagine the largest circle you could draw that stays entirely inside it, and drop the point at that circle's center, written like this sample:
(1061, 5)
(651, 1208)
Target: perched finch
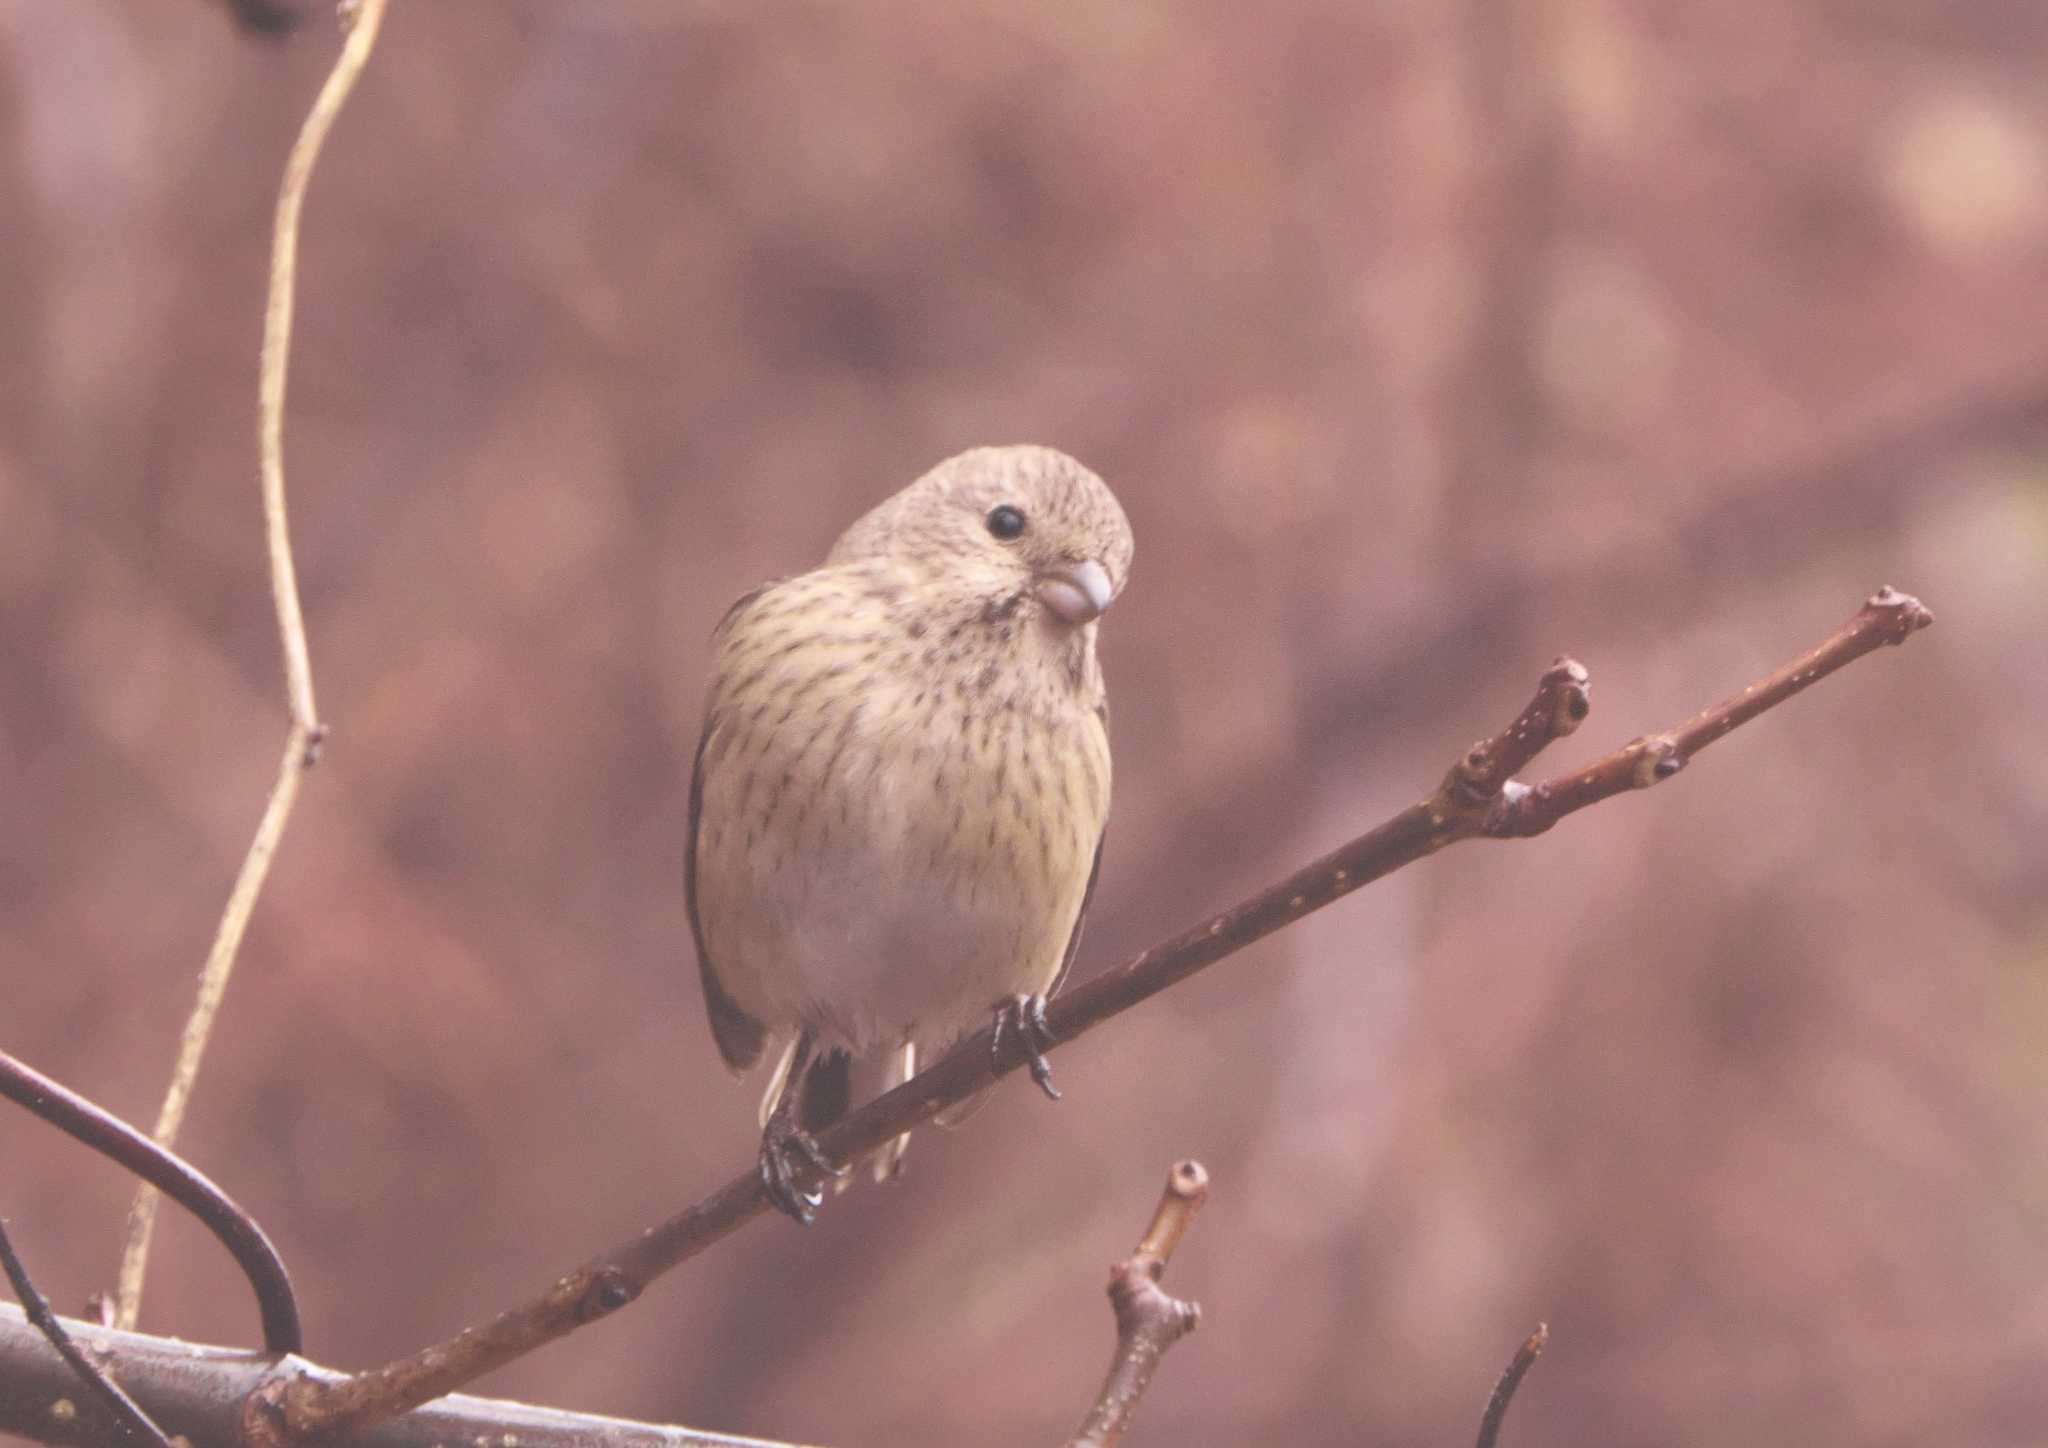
(900, 790)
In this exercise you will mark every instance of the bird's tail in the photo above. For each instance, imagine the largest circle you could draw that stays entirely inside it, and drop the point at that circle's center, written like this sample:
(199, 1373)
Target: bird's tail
(833, 1084)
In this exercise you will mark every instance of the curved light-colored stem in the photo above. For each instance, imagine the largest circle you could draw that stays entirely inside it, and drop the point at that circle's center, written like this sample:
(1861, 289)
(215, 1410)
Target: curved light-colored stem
(302, 743)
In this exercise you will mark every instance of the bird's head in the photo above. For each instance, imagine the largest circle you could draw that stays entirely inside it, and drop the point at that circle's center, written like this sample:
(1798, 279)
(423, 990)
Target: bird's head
(1016, 525)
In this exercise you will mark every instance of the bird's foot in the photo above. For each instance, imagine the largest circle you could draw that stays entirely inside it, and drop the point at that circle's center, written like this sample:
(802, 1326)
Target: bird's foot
(1025, 1014)
(785, 1149)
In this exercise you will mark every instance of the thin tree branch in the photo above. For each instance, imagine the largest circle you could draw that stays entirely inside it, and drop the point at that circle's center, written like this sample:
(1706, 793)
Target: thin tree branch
(112, 1137)
(1504, 1390)
(1148, 1321)
(1887, 618)
(201, 1393)
(1476, 798)
(303, 740)
(134, 1424)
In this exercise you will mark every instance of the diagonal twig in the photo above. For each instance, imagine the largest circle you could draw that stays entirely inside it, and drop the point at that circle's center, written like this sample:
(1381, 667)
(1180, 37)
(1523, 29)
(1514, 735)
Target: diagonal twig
(112, 1137)
(303, 740)
(1148, 1321)
(1477, 798)
(135, 1425)
(1504, 1390)
(1889, 617)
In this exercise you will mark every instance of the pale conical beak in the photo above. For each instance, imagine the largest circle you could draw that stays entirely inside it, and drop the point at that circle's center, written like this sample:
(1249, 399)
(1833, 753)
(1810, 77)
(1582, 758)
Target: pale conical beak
(1076, 592)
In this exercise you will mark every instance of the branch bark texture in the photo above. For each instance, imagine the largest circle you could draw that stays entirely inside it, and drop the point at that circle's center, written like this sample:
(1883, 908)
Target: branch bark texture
(1148, 1321)
(132, 1424)
(201, 1393)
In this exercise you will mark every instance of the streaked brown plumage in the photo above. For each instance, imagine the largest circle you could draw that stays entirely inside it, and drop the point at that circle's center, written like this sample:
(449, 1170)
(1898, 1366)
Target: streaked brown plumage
(902, 782)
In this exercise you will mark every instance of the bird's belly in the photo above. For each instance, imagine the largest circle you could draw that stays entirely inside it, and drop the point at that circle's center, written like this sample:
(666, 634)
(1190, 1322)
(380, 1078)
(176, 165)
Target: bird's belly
(899, 901)
(876, 950)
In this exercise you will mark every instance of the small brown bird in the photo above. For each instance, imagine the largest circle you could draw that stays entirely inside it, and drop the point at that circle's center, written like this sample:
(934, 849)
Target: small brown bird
(901, 787)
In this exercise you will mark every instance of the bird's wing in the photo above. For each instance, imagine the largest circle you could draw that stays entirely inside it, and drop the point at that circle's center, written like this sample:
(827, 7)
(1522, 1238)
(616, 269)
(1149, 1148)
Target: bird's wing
(740, 1037)
(1080, 919)
(960, 1110)
(1088, 894)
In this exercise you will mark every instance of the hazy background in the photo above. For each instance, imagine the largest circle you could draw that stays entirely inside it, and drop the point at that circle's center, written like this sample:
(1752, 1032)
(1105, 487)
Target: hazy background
(1423, 341)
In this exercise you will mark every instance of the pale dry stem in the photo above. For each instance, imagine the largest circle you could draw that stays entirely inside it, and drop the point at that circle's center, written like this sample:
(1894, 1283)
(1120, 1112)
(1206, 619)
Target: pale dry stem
(302, 743)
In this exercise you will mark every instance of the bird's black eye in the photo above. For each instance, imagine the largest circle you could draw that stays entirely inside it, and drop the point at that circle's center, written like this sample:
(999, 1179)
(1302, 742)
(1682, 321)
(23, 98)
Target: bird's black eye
(1006, 522)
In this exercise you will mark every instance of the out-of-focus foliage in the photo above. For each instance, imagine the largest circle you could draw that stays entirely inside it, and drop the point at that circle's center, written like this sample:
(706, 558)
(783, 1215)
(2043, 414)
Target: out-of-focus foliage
(1422, 342)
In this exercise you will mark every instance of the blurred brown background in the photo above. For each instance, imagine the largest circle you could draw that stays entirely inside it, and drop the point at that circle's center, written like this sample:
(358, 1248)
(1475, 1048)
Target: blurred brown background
(1423, 342)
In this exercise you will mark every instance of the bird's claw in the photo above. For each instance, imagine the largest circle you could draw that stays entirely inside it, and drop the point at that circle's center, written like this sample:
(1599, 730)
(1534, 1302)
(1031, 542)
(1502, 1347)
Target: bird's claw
(1025, 1014)
(783, 1142)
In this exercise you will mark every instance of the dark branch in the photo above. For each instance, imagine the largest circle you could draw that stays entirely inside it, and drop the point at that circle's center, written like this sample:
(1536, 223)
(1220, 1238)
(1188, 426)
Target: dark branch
(1477, 798)
(170, 1174)
(201, 1393)
(1148, 1321)
(133, 1423)
(1504, 1390)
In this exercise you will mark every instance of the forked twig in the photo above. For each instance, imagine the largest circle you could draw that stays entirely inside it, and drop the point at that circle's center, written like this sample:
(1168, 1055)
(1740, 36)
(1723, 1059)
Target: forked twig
(1148, 1321)
(303, 740)
(1476, 798)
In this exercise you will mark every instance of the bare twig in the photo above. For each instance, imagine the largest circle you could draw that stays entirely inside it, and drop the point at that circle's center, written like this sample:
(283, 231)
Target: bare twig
(1504, 1390)
(201, 1392)
(1148, 1321)
(303, 740)
(1475, 799)
(134, 1424)
(112, 1137)
(1889, 617)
